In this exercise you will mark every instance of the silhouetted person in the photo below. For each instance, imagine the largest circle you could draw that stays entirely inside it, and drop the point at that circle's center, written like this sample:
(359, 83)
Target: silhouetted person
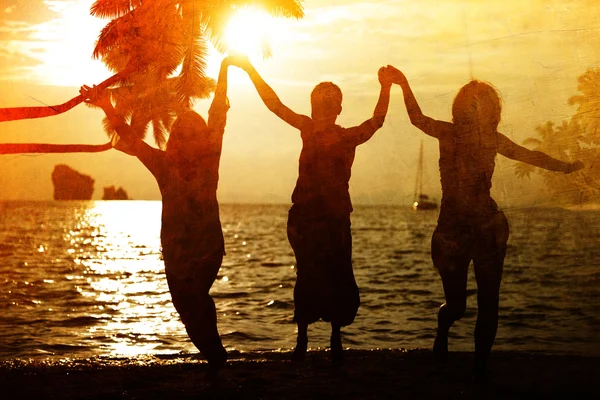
(319, 220)
(470, 225)
(187, 174)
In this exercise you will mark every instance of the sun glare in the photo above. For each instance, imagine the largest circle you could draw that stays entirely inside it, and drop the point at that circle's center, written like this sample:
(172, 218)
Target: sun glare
(63, 46)
(249, 30)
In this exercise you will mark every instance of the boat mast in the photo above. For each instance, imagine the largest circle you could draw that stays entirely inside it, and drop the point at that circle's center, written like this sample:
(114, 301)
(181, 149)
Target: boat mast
(419, 182)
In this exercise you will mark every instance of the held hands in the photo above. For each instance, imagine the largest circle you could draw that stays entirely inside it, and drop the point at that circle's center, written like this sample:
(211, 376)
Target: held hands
(385, 77)
(96, 96)
(396, 75)
(573, 167)
(238, 60)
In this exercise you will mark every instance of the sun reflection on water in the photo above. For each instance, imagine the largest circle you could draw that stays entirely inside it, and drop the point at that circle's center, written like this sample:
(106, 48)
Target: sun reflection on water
(119, 249)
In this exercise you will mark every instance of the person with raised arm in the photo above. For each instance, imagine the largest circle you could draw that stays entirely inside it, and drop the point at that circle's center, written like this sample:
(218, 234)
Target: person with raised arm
(319, 219)
(187, 174)
(470, 225)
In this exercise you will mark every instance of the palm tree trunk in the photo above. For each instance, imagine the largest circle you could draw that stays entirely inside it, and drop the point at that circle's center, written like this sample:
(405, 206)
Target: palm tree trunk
(16, 113)
(19, 148)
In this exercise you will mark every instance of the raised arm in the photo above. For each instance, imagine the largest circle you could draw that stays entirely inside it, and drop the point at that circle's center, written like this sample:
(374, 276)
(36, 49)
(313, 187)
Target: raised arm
(268, 95)
(381, 108)
(510, 149)
(428, 125)
(217, 114)
(126, 139)
(367, 129)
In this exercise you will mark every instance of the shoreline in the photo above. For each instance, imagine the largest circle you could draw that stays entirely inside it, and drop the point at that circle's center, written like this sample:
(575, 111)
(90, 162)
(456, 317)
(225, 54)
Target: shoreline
(367, 374)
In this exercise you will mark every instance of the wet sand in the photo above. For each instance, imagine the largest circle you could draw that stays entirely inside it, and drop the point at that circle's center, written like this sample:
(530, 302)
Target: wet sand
(376, 374)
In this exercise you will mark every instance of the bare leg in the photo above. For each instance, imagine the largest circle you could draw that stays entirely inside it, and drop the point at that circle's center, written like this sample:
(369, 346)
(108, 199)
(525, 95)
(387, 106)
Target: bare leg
(489, 262)
(202, 330)
(337, 352)
(451, 311)
(486, 326)
(452, 263)
(301, 342)
(197, 309)
(488, 291)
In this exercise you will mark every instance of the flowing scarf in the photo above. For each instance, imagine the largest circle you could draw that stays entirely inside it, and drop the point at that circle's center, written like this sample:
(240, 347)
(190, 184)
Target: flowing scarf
(16, 113)
(20, 148)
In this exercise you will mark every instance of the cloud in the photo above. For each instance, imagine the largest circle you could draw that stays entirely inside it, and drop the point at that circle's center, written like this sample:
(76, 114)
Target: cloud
(49, 42)
(15, 30)
(15, 63)
(30, 11)
(18, 20)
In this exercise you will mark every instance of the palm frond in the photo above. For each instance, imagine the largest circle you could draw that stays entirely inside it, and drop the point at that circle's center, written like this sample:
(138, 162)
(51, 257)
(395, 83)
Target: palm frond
(112, 8)
(140, 118)
(214, 23)
(277, 8)
(108, 129)
(280, 8)
(168, 119)
(114, 32)
(142, 36)
(523, 170)
(193, 71)
(160, 132)
(576, 100)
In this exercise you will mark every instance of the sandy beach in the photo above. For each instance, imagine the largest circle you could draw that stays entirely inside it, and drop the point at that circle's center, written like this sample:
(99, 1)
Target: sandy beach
(367, 374)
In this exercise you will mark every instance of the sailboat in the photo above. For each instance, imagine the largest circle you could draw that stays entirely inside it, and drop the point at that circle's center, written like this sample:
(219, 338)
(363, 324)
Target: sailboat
(422, 201)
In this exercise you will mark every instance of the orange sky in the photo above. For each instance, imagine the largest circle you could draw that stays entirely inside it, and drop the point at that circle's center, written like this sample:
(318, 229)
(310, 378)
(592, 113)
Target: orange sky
(531, 50)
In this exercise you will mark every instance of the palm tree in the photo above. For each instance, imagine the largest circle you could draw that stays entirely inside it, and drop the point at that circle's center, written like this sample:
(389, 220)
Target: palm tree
(575, 139)
(559, 142)
(553, 140)
(588, 106)
(147, 42)
(164, 37)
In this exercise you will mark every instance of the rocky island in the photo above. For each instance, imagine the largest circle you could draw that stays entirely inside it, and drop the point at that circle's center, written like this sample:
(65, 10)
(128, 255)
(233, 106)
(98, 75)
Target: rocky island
(110, 193)
(70, 184)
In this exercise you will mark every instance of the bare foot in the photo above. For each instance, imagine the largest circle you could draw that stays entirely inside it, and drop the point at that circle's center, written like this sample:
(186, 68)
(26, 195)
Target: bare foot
(480, 371)
(299, 353)
(440, 346)
(337, 351)
(214, 366)
(337, 357)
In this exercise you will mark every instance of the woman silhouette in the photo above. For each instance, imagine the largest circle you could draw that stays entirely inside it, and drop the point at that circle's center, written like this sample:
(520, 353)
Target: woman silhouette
(470, 225)
(187, 174)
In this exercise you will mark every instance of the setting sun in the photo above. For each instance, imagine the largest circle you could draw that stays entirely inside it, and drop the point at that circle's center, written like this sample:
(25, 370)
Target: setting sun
(250, 31)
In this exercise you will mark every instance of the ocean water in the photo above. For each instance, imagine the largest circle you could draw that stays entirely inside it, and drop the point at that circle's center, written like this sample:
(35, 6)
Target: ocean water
(83, 279)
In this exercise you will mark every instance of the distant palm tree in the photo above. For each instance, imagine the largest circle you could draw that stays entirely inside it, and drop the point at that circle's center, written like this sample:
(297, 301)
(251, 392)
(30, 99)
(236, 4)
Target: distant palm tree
(160, 38)
(553, 140)
(588, 106)
(575, 139)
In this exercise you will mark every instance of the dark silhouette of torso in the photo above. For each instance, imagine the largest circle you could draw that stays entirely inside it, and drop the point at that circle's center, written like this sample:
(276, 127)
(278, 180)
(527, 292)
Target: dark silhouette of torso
(191, 226)
(466, 163)
(325, 167)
